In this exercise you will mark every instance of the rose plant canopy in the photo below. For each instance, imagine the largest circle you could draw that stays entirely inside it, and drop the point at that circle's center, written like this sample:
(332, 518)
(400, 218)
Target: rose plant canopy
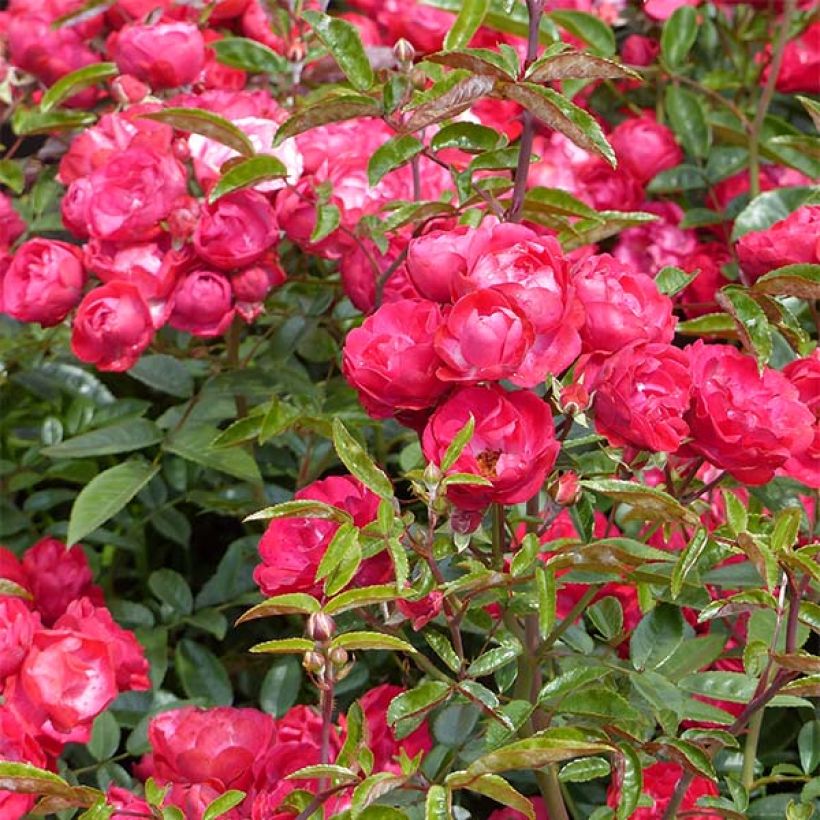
(410, 409)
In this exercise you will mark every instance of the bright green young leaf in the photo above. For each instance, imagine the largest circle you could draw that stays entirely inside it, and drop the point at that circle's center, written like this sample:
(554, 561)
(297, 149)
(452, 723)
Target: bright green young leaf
(285, 646)
(584, 769)
(354, 457)
(106, 494)
(371, 640)
(328, 219)
(11, 175)
(591, 29)
(437, 804)
(23, 778)
(391, 155)
(302, 508)
(496, 788)
(247, 173)
(466, 136)
(688, 560)
(27, 122)
(466, 24)
(671, 280)
(342, 40)
(76, 81)
(223, 804)
(631, 781)
(363, 596)
(291, 603)
(752, 325)
(341, 543)
(417, 701)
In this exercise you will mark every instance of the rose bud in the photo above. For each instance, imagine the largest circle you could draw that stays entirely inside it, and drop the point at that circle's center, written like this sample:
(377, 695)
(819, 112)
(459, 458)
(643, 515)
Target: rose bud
(313, 662)
(566, 490)
(43, 282)
(645, 147)
(126, 89)
(184, 217)
(320, 627)
(203, 304)
(164, 55)
(112, 328)
(574, 399)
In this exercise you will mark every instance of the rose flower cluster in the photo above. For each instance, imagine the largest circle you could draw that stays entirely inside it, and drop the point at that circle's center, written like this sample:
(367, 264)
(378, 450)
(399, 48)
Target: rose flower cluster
(201, 753)
(503, 304)
(63, 658)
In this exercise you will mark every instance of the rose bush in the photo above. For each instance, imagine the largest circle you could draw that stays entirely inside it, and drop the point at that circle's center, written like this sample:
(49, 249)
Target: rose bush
(410, 409)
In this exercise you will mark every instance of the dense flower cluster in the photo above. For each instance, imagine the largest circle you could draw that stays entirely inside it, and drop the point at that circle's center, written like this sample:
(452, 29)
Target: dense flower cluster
(63, 658)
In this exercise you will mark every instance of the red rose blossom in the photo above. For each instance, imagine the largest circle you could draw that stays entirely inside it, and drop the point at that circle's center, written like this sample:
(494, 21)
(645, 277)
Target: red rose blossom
(644, 147)
(203, 304)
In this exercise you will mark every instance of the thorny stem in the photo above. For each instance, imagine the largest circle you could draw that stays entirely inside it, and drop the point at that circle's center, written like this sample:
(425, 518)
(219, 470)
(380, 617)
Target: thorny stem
(326, 699)
(535, 8)
(765, 100)
(765, 692)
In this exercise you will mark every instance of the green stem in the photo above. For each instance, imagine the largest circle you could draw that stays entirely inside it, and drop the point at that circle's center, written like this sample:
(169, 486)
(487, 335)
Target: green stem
(765, 100)
(498, 536)
(747, 774)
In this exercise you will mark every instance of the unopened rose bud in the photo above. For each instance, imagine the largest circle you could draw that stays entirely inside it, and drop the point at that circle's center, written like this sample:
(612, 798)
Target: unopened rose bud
(432, 474)
(181, 149)
(296, 52)
(313, 662)
(574, 399)
(320, 627)
(566, 490)
(338, 656)
(405, 53)
(127, 89)
(183, 219)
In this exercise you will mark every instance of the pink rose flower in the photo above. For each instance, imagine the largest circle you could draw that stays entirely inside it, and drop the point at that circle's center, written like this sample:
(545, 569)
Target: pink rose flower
(390, 359)
(513, 445)
(203, 304)
(644, 147)
(113, 327)
(43, 282)
(747, 423)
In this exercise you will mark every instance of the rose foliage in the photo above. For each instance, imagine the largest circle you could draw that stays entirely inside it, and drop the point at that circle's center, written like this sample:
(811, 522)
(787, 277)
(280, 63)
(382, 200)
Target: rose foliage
(410, 409)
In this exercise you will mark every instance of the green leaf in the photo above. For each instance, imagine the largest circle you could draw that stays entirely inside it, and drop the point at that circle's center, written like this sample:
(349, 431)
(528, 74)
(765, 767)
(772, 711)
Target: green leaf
(27, 122)
(437, 804)
(607, 616)
(246, 173)
(688, 560)
(591, 29)
(417, 701)
(206, 123)
(467, 23)
(363, 596)
(105, 737)
(328, 219)
(280, 686)
(545, 589)
(752, 324)
(193, 442)
(770, 207)
(23, 778)
(354, 457)
(105, 495)
(786, 529)
(223, 804)
(551, 746)
(466, 136)
(496, 788)
(122, 437)
(693, 755)
(165, 374)
(11, 175)
(443, 648)
(808, 744)
(335, 109)
(671, 280)
(599, 702)
(477, 61)
(249, 55)
(454, 724)
(631, 781)
(201, 674)
(678, 36)
(76, 81)
(524, 558)
(709, 325)
(492, 660)
(659, 633)
(653, 503)
(559, 113)
(735, 687)
(450, 102)
(290, 604)
(10, 588)
(812, 108)
(345, 540)
(391, 155)
(457, 445)
(172, 590)
(371, 640)
(556, 201)
(342, 40)
(285, 646)
(577, 66)
(581, 771)
(302, 508)
(791, 280)
(241, 431)
(687, 116)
